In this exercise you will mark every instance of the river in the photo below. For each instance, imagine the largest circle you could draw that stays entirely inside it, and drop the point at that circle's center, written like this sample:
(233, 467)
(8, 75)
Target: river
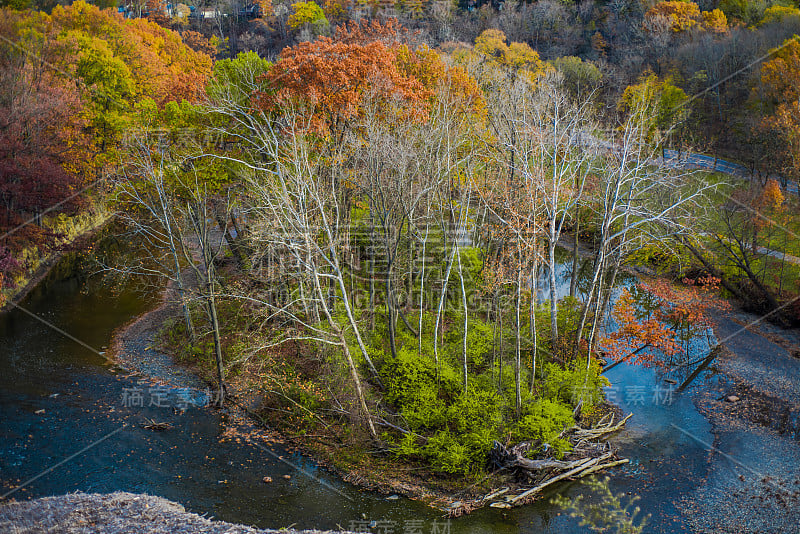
(58, 397)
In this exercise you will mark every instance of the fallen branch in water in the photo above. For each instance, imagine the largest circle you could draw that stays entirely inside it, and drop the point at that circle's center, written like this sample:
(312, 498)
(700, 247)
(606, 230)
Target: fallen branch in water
(582, 465)
(604, 427)
(587, 457)
(153, 425)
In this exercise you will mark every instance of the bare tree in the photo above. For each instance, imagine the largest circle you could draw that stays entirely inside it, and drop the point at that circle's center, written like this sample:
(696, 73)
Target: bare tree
(297, 209)
(637, 204)
(167, 205)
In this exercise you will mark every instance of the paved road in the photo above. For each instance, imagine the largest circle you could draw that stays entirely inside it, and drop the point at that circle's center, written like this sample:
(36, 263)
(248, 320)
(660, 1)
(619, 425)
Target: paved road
(780, 255)
(700, 161)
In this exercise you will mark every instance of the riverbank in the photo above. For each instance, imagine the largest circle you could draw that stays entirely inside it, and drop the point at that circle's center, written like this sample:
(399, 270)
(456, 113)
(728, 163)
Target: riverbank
(79, 234)
(381, 474)
(136, 346)
(115, 513)
(754, 410)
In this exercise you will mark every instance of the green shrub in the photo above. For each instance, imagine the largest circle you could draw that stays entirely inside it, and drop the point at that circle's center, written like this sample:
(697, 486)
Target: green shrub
(412, 387)
(479, 342)
(544, 420)
(474, 409)
(407, 446)
(446, 454)
(571, 383)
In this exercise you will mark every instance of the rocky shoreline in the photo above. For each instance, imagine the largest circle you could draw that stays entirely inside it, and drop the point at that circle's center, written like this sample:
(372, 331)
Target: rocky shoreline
(115, 513)
(753, 410)
(134, 347)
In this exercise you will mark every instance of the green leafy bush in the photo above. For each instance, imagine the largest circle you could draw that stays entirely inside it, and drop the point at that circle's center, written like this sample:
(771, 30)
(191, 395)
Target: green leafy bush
(572, 383)
(447, 454)
(544, 420)
(412, 387)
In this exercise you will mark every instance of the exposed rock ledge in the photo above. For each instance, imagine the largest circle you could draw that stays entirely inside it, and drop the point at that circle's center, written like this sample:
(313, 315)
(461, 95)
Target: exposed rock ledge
(113, 513)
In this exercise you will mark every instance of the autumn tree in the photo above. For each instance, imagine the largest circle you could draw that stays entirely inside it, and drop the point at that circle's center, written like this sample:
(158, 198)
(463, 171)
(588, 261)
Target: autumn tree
(664, 105)
(492, 44)
(199, 42)
(45, 157)
(747, 11)
(657, 321)
(681, 15)
(70, 81)
(307, 15)
(781, 98)
(331, 76)
(715, 21)
(733, 250)
(778, 14)
(161, 65)
(557, 162)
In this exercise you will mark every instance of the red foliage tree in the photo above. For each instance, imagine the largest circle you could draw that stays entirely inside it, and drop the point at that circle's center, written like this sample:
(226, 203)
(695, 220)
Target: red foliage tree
(41, 155)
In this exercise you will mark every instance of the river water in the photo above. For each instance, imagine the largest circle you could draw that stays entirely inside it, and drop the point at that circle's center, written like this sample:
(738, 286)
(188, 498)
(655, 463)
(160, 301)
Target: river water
(58, 397)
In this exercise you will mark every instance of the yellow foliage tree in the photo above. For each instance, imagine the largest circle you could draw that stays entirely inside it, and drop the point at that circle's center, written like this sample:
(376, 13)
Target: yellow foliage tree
(779, 14)
(306, 13)
(337, 10)
(682, 15)
(715, 21)
(492, 45)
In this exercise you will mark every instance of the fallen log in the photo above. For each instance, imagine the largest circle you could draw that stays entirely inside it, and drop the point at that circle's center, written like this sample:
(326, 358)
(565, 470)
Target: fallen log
(495, 494)
(601, 467)
(536, 465)
(589, 457)
(601, 429)
(583, 464)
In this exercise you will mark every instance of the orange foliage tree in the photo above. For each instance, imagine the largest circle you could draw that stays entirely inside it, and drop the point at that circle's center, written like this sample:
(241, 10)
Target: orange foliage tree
(333, 77)
(780, 75)
(162, 67)
(657, 320)
(780, 80)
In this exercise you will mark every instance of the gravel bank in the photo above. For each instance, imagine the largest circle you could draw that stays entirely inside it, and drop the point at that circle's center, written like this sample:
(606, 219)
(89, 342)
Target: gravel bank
(134, 346)
(753, 483)
(114, 513)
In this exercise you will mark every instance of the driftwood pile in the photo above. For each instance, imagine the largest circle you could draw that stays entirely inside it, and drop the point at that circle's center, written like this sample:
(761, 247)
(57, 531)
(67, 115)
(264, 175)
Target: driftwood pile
(589, 455)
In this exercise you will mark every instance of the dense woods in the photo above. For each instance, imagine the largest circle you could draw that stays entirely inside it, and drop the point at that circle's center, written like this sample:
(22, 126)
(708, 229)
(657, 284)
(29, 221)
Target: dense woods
(362, 217)
(73, 81)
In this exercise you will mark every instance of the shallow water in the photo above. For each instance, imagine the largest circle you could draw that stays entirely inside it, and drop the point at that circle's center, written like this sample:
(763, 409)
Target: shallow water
(81, 395)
